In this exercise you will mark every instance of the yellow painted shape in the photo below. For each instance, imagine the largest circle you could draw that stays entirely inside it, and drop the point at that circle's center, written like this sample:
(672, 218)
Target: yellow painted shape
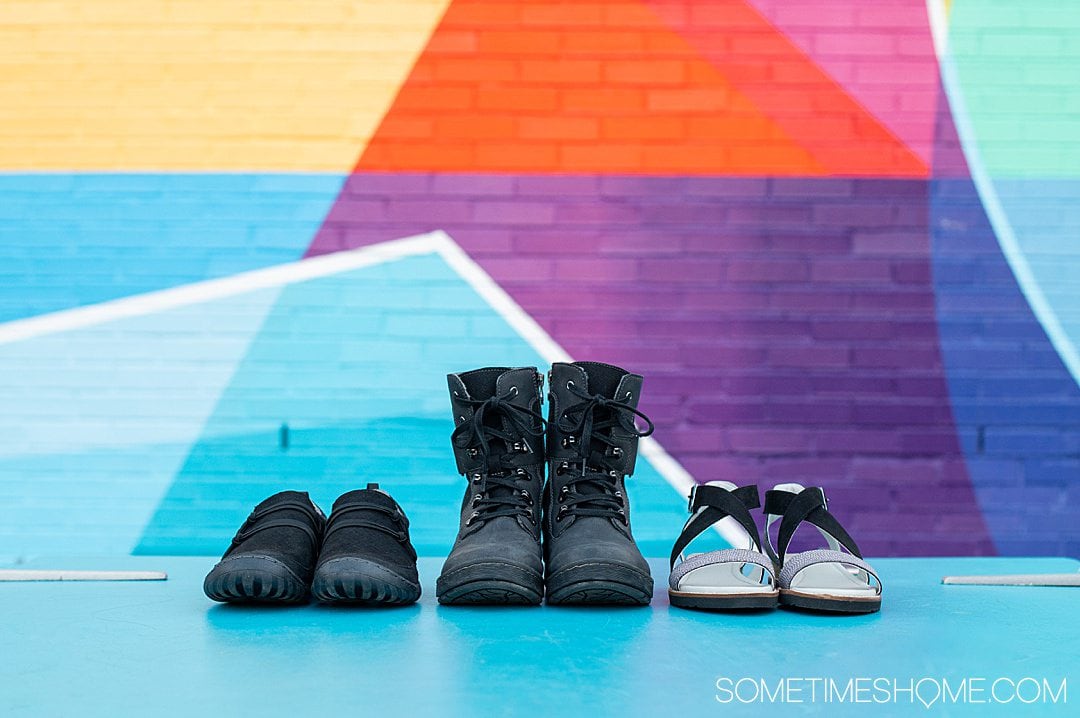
(201, 84)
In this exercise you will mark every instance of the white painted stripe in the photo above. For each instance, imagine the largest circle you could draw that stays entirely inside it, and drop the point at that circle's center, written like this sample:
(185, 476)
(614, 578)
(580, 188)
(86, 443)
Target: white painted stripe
(999, 220)
(496, 296)
(16, 574)
(303, 270)
(514, 315)
(939, 26)
(163, 300)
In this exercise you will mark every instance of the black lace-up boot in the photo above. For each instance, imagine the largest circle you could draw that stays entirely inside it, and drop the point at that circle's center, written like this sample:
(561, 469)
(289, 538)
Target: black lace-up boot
(272, 556)
(589, 550)
(499, 446)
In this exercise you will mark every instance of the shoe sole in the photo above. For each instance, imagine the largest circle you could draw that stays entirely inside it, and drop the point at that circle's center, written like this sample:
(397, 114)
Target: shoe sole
(599, 584)
(490, 584)
(829, 604)
(733, 602)
(359, 581)
(254, 579)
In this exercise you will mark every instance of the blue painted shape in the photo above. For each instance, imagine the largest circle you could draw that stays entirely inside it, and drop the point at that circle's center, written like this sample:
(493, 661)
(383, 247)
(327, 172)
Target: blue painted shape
(72, 239)
(1044, 215)
(89, 644)
(97, 421)
(1015, 404)
(355, 365)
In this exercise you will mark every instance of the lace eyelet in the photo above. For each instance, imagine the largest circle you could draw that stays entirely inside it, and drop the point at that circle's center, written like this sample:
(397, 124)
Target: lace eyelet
(618, 494)
(527, 496)
(475, 515)
(476, 499)
(562, 512)
(563, 493)
(521, 472)
(473, 453)
(513, 392)
(477, 477)
(613, 474)
(615, 451)
(564, 466)
(568, 441)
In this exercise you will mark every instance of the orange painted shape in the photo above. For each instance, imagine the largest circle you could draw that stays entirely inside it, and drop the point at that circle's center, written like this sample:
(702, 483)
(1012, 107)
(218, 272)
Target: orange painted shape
(591, 87)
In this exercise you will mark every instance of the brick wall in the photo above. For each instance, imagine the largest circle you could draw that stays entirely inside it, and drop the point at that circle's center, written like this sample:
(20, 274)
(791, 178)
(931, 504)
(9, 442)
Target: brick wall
(765, 207)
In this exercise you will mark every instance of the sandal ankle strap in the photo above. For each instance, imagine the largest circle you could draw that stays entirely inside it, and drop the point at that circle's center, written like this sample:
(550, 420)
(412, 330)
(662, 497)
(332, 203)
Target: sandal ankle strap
(808, 505)
(712, 503)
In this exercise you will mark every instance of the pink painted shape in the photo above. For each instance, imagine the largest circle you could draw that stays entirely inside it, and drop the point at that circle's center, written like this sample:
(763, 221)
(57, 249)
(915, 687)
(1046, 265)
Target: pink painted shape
(880, 51)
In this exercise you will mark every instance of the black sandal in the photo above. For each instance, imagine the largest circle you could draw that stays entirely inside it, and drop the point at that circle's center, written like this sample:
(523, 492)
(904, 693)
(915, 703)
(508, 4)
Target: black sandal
(729, 579)
(825, 579)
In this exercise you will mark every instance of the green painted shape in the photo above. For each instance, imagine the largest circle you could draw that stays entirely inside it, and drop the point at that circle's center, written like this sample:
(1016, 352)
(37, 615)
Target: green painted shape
(1019, 71)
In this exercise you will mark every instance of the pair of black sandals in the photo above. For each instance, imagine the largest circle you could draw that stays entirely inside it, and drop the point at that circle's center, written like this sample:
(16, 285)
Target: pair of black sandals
(761, 576)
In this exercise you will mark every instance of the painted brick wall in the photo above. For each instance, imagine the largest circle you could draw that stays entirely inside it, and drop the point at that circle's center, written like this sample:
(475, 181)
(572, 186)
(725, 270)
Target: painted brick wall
(823, 239)
(786, 326)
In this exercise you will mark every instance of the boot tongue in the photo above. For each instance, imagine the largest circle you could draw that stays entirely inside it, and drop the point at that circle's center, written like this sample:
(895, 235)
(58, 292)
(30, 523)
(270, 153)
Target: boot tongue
(610, 382)
(513, 386)
(481, 383)
(603, 379)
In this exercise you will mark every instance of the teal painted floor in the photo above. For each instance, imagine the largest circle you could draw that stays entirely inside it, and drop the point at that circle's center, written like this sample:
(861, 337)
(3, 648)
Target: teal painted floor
(163, 649)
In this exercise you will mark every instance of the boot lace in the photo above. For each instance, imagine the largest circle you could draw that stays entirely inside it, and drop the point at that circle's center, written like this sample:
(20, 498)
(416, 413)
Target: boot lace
(586, 425)
(497, 482)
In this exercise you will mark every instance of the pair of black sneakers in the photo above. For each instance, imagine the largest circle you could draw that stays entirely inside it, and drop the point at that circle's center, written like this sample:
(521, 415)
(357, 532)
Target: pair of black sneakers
(288, 550)
(568, 537)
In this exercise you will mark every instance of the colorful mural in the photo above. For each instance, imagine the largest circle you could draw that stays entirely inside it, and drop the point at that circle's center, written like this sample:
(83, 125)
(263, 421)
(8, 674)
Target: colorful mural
(838, 238)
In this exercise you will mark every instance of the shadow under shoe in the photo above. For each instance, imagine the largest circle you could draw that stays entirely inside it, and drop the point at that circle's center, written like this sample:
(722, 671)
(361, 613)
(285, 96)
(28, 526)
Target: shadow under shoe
(498, 444)
(272, 556)
(366, 556)
(589, 549)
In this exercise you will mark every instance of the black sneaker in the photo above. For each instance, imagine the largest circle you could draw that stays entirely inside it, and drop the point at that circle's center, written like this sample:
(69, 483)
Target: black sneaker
(366, 555)
(272, 555)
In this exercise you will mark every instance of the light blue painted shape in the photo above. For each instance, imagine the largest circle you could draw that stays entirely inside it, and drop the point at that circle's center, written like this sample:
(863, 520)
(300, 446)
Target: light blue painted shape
(355, 365)
(1016, 406)
(1057, 314)
(1045, 217)
(72, 239)
(95, 423)
(162, 648)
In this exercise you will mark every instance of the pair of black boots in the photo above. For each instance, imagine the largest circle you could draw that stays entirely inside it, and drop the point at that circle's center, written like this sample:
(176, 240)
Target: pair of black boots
(288, 550)
(569, 538)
